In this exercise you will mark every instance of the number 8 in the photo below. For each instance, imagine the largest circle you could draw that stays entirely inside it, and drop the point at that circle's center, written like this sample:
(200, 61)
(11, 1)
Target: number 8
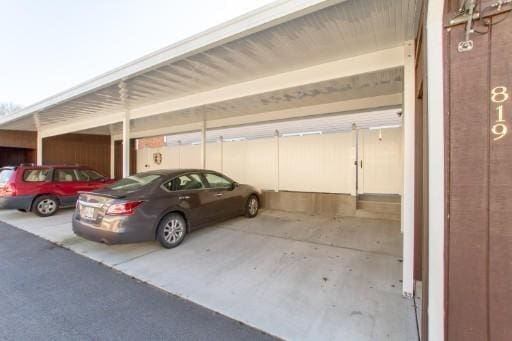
(497, 92)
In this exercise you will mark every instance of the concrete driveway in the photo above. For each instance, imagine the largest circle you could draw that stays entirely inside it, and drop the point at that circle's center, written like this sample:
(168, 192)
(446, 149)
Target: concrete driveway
(293, 276)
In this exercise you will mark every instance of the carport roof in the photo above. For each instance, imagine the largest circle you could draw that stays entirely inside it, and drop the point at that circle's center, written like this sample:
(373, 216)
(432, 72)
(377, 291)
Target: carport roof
(282, 36)
(256, 20)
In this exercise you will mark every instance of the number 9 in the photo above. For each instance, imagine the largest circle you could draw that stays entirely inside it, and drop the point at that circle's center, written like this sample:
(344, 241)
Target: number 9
(500, 130)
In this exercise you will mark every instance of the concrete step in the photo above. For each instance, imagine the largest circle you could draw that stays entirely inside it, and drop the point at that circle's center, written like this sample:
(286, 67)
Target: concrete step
(377, 215)
(378, 206)
(379, 197)
(378, 210)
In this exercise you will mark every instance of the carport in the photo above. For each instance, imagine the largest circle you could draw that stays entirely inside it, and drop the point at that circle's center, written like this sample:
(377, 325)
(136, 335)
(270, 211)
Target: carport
(226, 98)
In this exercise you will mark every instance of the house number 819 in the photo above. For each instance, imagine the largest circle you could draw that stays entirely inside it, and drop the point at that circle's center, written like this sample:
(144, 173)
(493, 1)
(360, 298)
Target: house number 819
(499, 95)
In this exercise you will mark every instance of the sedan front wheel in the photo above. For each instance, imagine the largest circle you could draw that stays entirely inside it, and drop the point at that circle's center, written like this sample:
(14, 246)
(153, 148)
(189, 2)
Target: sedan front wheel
(252, 207)
(172, 230)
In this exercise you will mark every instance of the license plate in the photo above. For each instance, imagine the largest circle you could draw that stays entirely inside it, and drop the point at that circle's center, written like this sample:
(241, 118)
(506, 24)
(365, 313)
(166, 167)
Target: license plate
(87, 212)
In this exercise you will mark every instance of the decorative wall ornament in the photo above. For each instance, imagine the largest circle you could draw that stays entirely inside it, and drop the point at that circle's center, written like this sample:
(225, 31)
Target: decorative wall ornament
(157, 158)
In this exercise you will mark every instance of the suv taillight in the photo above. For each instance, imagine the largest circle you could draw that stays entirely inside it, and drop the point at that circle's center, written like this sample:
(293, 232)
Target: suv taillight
(123, 208)
(9, 190)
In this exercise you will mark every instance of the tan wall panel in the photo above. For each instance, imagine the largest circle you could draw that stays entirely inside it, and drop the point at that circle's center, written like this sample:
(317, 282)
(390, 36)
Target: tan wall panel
(262, 163)
(319, 163)
(382, 161)
(190, 156)
(235, 160)
(252, 162)
(213, 157)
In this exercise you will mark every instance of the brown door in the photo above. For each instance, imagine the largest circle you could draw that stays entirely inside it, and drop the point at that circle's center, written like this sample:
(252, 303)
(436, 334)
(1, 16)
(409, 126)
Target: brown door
(478, 117)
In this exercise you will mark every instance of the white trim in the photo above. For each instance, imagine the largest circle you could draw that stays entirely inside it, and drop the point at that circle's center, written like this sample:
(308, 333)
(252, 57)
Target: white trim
(126, 144)
(436, 192)
(83, 124)
(203, 144)
(112, 157)
(407, 207)
(258, 20)
(341, 68)
(371, 62)
(276, 160)
(39, 149)
(355, 156)
(360, 104)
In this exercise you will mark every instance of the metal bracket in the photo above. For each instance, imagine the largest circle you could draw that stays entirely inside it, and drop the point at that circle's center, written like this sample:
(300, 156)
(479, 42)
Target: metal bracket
(468, 7)
(468, 14)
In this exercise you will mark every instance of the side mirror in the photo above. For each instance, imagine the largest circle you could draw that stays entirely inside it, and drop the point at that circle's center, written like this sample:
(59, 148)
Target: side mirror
(234, 185)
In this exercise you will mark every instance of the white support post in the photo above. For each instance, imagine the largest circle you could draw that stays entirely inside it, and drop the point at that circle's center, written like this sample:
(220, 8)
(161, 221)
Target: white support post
(221, 141)
(39, 142)
(355, 157)
(436, 174)
(112, 157)
(203, 145)
(126, 145)
(39, 150)
(123, 94)
(276, 185)
(179, 153)
(407, 207)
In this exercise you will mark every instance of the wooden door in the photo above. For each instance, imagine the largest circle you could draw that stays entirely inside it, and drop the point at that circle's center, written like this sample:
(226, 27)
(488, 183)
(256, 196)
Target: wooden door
(478, 120)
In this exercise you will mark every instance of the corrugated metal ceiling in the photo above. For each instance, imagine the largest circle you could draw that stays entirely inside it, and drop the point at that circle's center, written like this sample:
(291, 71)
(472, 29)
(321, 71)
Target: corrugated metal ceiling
(327, 124)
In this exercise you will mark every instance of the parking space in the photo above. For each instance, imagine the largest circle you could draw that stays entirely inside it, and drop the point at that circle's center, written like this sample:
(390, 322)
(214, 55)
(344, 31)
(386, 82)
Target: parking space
(321, 278)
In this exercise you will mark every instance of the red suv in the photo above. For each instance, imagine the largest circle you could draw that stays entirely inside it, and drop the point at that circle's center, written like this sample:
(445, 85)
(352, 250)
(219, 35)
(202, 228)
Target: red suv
(44, 189)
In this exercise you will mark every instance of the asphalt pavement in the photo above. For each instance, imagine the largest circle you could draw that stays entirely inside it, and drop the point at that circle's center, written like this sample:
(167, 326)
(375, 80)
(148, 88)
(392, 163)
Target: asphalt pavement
(50, 293)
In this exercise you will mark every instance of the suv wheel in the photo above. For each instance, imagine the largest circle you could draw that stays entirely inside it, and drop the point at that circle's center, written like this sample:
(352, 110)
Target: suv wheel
(252, 206)
(45, 206)
(172, 230)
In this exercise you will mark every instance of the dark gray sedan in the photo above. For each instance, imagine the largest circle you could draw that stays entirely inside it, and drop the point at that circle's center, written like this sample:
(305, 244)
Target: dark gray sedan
(163, 205)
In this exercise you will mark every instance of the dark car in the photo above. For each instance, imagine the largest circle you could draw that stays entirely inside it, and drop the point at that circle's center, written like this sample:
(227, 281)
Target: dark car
(43, 189)
(164, 205)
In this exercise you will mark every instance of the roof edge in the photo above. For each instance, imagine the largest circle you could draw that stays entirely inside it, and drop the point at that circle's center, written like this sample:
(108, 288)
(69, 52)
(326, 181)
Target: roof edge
(254, 21)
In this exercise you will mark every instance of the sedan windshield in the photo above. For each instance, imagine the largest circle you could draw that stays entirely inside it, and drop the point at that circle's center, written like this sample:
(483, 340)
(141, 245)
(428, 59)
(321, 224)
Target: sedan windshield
(134, 182)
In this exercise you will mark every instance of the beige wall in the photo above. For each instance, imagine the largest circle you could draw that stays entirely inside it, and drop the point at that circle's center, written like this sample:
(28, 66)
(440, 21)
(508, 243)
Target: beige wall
(315, 163)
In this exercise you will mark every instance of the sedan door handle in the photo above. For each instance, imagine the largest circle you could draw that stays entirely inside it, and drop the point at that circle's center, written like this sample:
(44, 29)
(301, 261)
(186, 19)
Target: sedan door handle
(219, 194)
(184, 197)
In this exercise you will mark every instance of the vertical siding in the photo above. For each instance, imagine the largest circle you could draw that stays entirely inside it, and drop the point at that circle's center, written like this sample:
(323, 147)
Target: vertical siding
(18, 139)
(88, 150)
(213, 157)
(382, 161)
(251, 162)
(321, 163)
(316, 163)
(479, 233)
(190, 156)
